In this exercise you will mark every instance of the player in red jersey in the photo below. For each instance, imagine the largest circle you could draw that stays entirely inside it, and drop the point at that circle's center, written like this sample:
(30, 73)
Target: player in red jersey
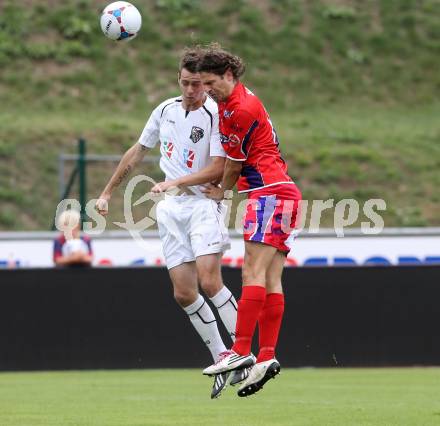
(255, 164)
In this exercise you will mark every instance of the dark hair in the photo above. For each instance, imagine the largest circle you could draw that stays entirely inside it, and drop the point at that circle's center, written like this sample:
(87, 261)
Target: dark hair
(214, 59)
(189, 59)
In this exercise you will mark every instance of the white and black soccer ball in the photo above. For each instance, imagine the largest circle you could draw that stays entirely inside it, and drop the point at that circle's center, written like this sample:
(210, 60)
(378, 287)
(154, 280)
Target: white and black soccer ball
(75, 245)
(121, 21)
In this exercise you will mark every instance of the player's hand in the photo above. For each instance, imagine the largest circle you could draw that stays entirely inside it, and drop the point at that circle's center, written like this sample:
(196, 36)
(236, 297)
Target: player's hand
(79, 257)
(163, 186)
(214, 192)
(102, 204)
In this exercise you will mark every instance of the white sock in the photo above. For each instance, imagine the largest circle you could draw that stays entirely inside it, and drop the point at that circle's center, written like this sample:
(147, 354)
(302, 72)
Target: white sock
(203, 320)
(226, 305)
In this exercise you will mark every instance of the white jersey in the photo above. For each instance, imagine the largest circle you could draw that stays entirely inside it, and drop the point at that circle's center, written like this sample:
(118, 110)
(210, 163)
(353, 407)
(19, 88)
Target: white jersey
(188, 139)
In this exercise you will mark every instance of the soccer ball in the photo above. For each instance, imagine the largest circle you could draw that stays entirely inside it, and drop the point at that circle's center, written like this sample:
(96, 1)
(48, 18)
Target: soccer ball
(75, 245)
(121, 21)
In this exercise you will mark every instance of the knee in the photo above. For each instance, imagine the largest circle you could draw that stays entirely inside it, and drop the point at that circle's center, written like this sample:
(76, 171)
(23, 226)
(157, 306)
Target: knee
(185, 297)
(252, 275)
(211, 285)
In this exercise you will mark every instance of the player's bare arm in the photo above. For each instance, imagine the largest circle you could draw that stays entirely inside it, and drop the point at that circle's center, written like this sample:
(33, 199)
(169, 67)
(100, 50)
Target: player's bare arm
(211, 173)
(129, 161)
(230, 176)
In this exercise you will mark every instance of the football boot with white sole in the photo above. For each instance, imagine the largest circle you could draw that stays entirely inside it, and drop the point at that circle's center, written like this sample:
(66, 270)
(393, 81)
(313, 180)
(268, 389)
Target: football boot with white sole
(260, 373)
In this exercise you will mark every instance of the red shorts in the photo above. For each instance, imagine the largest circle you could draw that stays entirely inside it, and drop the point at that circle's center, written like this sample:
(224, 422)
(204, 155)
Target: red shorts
(271, 216)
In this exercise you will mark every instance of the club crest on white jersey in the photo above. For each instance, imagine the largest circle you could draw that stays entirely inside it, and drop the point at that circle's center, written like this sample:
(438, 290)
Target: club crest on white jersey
(196, 134)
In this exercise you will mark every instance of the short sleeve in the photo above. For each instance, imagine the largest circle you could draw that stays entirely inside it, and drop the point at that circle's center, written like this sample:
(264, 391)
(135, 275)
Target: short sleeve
(150, 134)
(239, 138)
(215, 145)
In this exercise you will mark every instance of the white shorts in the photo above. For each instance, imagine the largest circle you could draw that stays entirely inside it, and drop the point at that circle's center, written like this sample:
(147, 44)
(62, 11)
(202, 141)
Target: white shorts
(189, 227)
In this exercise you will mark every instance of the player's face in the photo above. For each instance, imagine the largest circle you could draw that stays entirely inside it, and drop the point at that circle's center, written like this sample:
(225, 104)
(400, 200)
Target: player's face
(219, 87)
(191, 87)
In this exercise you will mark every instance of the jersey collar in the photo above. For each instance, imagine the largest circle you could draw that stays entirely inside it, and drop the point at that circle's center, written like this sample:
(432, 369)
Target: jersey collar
(238, 89)
(236, 93)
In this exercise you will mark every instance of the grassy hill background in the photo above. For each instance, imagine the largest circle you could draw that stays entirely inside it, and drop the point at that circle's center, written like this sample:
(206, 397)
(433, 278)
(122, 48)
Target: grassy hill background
(353, 88)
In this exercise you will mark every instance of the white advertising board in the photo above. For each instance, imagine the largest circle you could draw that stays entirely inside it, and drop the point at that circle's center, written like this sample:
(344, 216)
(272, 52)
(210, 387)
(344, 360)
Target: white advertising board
(316, 250)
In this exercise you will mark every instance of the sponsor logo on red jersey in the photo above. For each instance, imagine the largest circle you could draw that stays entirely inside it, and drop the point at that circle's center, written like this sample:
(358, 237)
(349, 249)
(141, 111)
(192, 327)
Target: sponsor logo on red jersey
(223, 138)
(234, 140)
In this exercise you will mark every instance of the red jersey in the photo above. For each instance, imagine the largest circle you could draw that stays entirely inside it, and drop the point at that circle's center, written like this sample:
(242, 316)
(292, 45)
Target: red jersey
(247, 135)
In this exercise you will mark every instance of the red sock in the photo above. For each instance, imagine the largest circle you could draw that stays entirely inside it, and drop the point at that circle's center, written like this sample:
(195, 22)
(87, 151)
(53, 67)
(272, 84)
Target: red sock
(269, 324)
(249, 307)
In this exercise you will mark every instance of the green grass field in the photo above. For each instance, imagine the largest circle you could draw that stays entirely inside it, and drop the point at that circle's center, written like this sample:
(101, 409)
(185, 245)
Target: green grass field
(315, 397)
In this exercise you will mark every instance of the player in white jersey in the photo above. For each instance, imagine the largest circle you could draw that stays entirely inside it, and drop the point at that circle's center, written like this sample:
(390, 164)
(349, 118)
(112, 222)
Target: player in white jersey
(191, 226)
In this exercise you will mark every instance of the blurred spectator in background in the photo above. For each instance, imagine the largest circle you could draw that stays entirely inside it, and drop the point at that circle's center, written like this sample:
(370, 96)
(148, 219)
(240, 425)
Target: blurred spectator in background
(70, 247)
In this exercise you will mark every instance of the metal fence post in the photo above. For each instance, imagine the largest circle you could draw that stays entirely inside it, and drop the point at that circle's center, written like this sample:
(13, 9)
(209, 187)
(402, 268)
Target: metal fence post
(82, 178)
